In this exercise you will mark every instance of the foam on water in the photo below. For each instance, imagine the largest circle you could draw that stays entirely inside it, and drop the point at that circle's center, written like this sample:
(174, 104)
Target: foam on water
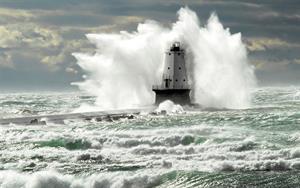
(169, 107)
(199, 147)
(126, 64)
(226, 148)
(50, 179)
(9, 179)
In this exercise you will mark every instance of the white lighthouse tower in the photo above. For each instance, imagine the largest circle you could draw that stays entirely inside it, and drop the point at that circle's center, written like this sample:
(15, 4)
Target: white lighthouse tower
(174, 84)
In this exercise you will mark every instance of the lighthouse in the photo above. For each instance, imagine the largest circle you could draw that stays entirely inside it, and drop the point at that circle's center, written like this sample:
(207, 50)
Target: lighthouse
(174, 85)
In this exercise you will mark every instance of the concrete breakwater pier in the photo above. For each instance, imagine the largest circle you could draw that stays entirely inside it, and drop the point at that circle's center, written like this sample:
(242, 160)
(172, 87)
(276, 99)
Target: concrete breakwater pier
(59, 118)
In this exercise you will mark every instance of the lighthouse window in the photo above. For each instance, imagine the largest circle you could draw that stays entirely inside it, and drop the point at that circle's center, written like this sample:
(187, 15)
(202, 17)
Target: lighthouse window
(169, 53)
(176, 80)
(184, 80)
(178, 53)
(179, 68)
(168, 67)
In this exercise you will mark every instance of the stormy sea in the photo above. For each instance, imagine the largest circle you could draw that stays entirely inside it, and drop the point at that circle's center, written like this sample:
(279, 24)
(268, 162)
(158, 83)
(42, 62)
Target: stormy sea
(238, 135)
(253, 147)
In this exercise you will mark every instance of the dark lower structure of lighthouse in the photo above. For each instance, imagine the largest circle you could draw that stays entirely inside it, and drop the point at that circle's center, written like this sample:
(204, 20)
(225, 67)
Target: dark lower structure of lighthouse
(174, 86)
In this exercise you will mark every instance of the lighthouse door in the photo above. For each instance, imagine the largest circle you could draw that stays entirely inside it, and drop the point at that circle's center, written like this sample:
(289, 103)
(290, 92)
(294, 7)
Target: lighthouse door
(167, 82)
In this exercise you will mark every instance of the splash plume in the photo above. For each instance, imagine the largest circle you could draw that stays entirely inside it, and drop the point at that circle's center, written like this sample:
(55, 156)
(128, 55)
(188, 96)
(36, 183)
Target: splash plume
(126, 65)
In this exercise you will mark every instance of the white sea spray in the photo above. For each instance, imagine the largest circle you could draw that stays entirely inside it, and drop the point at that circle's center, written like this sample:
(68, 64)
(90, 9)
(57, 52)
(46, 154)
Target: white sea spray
(126, 64)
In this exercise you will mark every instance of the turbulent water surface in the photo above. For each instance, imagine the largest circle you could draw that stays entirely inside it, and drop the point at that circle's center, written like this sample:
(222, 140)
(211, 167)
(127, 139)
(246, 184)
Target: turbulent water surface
(255, 147)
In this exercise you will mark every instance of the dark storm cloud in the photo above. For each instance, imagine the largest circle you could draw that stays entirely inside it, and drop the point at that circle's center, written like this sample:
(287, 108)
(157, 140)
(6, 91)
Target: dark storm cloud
(38, 36)
(39, 4)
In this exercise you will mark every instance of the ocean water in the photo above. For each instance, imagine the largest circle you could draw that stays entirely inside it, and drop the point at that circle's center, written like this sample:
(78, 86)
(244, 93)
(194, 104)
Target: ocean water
(254, 147)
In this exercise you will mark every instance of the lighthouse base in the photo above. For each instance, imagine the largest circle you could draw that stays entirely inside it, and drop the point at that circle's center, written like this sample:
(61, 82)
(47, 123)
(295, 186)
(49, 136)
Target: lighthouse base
(178, 96)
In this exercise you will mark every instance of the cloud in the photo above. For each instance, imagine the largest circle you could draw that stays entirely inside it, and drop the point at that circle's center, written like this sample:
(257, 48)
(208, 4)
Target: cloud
(36, 36)
(116, 24)
(9, 16)
(6, 60)
(276, 65)
(71, 70)
(271, 65)
(9, 38)
(31, 41)
(262, 44)
(55, 61)
(297, 61)
(124, 20)
(28, 35)
(15, 13)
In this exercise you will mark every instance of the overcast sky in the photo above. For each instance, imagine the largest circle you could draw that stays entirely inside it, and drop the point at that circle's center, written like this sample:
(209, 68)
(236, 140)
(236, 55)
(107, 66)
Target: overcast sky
(37, 37)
